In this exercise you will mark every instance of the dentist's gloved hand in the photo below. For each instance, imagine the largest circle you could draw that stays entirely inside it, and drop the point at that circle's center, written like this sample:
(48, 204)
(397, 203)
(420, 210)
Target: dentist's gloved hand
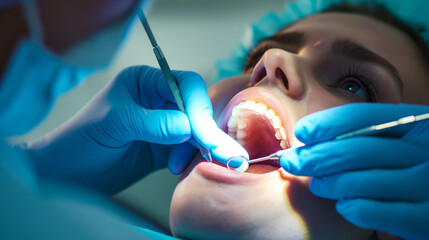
(131, 128)
(381, 183)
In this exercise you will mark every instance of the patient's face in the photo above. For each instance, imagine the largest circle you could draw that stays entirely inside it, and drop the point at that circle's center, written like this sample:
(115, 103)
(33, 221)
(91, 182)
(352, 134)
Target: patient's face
(323, 61)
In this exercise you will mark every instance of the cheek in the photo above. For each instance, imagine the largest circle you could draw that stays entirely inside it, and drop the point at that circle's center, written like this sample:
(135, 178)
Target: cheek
(321, 99)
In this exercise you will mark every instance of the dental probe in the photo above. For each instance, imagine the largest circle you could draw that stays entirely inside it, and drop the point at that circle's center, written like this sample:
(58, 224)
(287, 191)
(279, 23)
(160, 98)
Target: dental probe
(366, 131)
(168, 75)
(374, 129)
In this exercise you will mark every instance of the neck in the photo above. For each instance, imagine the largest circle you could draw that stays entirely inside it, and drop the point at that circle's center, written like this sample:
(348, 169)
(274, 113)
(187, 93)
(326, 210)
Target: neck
(12, 28)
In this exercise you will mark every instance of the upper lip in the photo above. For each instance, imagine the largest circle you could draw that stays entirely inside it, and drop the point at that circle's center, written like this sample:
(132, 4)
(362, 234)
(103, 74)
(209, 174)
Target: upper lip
(263, 95)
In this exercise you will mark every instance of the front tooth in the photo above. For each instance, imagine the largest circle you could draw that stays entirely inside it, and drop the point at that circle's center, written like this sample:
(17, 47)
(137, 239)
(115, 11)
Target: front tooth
(270, 114)
(241, 134)
(260, 108)
(249, 104)
(284, 144)
(232, 122)
(241, 124)
(276, 122)
(235, 111)
(278, 135)
(283, 133)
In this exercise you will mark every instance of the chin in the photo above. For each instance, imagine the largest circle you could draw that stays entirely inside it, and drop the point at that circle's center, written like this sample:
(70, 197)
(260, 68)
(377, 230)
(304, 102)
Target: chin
(265, 202)
(213, 202)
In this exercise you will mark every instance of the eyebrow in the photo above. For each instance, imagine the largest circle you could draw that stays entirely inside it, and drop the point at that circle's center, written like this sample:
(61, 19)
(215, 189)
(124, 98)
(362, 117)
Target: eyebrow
(357, 52)
(295, 40)
(289, 41)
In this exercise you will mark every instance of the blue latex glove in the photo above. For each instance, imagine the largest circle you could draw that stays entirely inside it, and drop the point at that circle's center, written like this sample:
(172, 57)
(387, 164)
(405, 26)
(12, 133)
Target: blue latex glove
(126, 132)
(380, 182)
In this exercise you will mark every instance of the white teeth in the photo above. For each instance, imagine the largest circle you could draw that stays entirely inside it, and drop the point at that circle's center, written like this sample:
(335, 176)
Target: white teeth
(242, 125)
(237, 127)
(284, 144)
(249, 104)
(270, 114)
(232, 122)
(235, 110)
(241, 134)
(278, 135)
(260, 108)
(283, 133)
(276, 122)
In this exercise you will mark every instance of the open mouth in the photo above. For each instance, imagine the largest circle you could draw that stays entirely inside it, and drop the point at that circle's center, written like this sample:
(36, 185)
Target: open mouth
(256, 119)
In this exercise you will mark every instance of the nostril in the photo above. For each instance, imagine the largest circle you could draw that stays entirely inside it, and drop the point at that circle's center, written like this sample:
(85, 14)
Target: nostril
(281, 75)
(259, 75)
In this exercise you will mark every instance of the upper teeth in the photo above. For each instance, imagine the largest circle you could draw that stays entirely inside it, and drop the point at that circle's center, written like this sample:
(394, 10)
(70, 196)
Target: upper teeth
(236, 125)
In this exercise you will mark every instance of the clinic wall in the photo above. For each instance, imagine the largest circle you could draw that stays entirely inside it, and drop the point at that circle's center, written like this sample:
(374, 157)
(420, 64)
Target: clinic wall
(192, 34)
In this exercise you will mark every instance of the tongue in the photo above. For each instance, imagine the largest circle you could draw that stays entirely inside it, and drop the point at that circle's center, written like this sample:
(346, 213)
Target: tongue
(260, 140)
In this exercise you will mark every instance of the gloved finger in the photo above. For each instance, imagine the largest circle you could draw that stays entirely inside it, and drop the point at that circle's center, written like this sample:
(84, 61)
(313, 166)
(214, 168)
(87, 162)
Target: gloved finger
(229, 148)
(146, 86)
(403, 219)
(180, 157)
(154, 84)
(407, 184)
(352, 154)
(327, 124)
(156, 126)
(198, 108)
(204, 128)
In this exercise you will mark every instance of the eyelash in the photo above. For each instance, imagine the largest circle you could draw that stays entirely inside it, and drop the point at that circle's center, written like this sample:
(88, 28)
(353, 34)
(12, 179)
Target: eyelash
(355, 73)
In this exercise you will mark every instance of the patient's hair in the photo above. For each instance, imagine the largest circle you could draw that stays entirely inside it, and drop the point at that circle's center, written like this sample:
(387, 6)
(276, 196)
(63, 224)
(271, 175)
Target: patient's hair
(381, 13)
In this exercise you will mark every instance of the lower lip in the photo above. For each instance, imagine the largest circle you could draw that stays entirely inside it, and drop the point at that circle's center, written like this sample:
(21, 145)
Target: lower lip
(217, 173)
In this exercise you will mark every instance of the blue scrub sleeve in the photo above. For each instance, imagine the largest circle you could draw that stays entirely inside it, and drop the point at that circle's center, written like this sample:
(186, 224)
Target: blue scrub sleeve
(31, 209)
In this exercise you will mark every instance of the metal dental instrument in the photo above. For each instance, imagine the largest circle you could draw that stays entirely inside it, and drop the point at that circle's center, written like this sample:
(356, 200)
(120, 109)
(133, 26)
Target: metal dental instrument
(274, 156)
(168, 75)
(366, 131)
(384, 126)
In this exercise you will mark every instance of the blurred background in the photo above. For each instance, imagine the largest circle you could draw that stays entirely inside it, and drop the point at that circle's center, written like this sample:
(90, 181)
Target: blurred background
(193, 34)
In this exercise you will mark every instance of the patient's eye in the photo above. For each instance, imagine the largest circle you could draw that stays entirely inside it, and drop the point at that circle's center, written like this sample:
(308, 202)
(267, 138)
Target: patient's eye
(355, 87)
(352, 84)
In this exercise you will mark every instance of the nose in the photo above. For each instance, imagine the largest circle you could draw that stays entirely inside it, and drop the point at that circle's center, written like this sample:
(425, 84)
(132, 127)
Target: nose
(281, 69)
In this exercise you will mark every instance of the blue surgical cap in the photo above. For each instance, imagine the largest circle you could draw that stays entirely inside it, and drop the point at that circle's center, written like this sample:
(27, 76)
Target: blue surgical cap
(413, 13)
